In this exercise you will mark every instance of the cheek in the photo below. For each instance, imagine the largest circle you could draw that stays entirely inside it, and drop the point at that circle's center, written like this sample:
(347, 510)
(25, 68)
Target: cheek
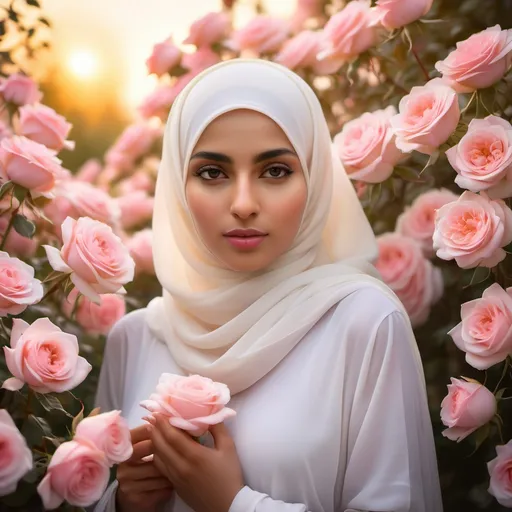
(203, 209)
(288, 209)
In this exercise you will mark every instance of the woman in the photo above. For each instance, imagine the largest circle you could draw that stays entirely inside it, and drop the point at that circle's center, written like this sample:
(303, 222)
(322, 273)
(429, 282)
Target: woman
(263, 253)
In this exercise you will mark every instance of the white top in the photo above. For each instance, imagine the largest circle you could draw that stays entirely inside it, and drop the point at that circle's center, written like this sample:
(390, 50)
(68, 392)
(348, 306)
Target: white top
(332, 428)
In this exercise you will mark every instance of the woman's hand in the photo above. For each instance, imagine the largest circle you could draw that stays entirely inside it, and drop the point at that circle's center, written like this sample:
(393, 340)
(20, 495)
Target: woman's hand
(207, 479)
(141, 485)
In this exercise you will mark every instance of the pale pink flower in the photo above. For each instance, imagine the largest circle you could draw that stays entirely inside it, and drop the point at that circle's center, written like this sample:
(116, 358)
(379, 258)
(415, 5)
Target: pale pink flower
(166, 55)
(473, 231)
(138, 181)
(19, 90)
(134, 142)
(196, 62)
(500, 471)
(136, 208)
(140, 246)
(158, 103)
(89, 171)
(479, 61)
(468, 406)
(78, 474)
(483, 157)
(366, 147)
(417, 283)
(417, 221)
(305, 10)
(209, 29)
(44, 357)
(301, 52)
(485, 333)
(192, 403)
(349, 32)
(42, 124)
(95, 318)
(397, 13)
(94, 256)
(18, 286)
(5, 130)
(110, 433)
(263, 34)
(427, 117)
(30, 165)
(15, 455)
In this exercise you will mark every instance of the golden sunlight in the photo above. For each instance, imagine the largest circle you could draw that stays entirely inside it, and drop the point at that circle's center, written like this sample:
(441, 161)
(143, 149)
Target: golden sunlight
(83, 63)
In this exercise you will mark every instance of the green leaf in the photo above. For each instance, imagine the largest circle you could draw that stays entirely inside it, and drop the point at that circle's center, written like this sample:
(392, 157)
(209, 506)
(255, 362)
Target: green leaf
(2, 28)
(24, 226)
(77, 419)
(52, 403)
(6, 187)
(33, 3)
(481, 435)
(44, 21)
(13, 15)
(406, 173)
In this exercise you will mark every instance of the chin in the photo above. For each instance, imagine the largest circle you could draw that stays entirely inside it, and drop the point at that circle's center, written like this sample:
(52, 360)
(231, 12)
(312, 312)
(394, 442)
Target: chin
(246, 263)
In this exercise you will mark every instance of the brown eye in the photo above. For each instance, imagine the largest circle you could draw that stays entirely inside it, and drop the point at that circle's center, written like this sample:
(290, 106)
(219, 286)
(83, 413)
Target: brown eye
(277, 172)
(209, 173)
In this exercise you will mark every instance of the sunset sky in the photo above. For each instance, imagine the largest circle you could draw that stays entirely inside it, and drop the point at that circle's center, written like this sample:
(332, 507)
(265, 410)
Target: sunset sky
(99, 38)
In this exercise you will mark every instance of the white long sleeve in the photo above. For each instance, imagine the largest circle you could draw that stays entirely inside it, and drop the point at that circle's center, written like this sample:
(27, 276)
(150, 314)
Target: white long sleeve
(340, 425)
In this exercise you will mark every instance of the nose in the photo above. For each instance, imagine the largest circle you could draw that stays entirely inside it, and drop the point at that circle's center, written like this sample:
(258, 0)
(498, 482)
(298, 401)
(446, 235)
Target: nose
(245, 202)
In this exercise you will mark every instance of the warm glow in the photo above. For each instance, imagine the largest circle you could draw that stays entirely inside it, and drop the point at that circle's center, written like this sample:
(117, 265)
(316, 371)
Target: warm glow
(83, 63)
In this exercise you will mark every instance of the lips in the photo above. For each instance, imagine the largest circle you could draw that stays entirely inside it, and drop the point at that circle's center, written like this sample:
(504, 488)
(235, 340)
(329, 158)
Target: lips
(245, 239)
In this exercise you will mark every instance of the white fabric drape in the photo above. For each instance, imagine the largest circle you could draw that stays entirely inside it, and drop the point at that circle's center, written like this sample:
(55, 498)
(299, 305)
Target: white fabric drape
(235, 327)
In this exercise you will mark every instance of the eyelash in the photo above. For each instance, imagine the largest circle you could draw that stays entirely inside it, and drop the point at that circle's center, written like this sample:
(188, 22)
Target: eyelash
(199, 173)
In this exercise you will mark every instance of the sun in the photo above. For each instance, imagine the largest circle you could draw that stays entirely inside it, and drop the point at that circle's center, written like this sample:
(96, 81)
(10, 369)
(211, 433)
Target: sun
(83, 63)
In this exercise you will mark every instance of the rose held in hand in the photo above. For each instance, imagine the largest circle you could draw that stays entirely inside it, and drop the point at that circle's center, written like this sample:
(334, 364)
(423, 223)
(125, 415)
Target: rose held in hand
(468, 406)
(78, 474)
(15, 455)
(473, 231)
(485, 333)
(44, 357)
(192, 403)
(110, 433)
(94, 256)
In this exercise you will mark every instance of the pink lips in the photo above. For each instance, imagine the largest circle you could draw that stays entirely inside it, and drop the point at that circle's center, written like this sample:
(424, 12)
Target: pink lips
(245, 238)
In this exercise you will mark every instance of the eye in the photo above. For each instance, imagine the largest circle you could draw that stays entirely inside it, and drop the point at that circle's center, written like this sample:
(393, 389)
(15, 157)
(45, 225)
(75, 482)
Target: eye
(209, 173)
(277, 171)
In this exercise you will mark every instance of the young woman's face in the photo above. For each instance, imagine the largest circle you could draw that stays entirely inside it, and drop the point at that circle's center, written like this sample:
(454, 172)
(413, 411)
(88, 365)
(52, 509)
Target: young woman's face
(246, 190)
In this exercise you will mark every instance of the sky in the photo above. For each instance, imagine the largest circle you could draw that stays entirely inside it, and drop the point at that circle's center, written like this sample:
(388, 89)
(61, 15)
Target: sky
(94, 37)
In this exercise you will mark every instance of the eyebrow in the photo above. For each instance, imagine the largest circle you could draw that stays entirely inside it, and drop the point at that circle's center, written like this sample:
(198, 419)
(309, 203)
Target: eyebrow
(266, 155)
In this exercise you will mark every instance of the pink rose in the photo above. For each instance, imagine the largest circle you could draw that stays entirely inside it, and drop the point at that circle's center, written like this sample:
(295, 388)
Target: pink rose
(349, 32)
(110, 433)
(30, 165)
(418, 220)
(263, 34)
(469, 405)
(19, 89)
(305, 10)
(42, 124)
(44, 357)
(86, 200)
(366, 147)
(138, 181)
(15, 455)
(417, 283)
(209, 29)
(134, 142)
(141, 249)
(500, 471)
(136, 208)
(158, 103)
(5, 130)
(483, 157)
(397, 13)
(301, 52)
(18, 286)
(427, 117)
(166, 55)
(192, 403)
(479, 61)
(196, 62)
(89, 171)
(78, 474)
(95, 318)
(485, 333)
(473, 230)
(94, 256)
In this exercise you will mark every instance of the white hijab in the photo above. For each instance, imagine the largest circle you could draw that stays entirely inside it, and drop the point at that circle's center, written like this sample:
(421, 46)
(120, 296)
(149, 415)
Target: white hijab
(235, 327)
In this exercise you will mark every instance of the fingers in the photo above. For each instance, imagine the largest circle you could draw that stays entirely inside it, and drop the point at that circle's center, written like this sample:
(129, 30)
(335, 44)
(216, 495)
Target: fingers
(150, 484)
(222, 437)
(138, 472)
(139, 434)
(140, 450)
(177, 439)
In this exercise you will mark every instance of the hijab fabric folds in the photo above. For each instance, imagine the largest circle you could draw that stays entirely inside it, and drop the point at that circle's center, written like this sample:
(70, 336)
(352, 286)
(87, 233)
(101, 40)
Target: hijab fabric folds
(234, 327)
